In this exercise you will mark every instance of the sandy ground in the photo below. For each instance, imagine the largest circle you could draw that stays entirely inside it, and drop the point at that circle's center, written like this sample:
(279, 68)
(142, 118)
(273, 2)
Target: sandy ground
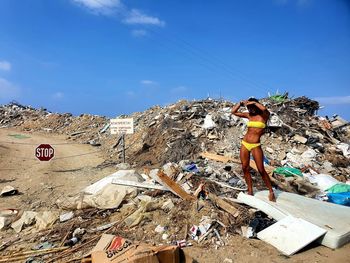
(66, 174)
(74, 167)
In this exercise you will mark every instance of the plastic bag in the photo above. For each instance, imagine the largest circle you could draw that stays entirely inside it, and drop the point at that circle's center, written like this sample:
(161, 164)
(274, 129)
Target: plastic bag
(339, 188)
(340, 198)
(288, 171)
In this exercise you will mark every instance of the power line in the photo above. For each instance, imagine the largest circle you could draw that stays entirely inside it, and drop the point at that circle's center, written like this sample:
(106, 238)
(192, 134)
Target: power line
(31, 144)
(57, 158)
(209, 58)
(213, 60)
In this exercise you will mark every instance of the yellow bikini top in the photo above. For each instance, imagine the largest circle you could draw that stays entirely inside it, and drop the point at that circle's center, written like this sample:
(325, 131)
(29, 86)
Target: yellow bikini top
(256, 124)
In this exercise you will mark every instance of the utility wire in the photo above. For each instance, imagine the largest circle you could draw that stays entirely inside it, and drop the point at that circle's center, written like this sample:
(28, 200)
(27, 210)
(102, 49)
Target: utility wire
(27, 143)
(209, 58)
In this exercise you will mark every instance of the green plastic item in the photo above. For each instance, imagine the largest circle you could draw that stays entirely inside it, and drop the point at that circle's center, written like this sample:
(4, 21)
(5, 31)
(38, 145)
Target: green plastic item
(288, 171)
(339, 188)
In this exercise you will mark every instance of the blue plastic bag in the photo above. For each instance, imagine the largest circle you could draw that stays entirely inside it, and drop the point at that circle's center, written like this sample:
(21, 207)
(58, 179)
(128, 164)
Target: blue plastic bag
(339, 198)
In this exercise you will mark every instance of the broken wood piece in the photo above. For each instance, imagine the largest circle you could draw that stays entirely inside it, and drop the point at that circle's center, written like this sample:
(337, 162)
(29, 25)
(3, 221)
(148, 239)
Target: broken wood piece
(219, 158)
(176, 189)
(205, 235)
(223, 204)
(137, 184)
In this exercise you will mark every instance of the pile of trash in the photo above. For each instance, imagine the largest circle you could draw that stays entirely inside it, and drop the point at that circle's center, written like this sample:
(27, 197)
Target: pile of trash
(182, 183)
(185, 129)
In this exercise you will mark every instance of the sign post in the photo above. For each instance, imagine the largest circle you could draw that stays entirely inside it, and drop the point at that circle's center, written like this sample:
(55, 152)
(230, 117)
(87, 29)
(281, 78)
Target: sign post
(123, 145)
(122, 126)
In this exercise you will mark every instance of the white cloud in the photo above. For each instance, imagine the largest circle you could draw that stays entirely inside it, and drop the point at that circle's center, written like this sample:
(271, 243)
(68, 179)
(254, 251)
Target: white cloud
(139, 33)
(336, 100)
(125, 14)
(148, 82)
(137, 17)
(179, 89)
(58, 95)
(105, 7)
(8, 90)
(5, 65)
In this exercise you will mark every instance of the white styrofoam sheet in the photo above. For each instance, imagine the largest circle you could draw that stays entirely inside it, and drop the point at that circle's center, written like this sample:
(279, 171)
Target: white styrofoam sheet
(333, 218)
(291, 234)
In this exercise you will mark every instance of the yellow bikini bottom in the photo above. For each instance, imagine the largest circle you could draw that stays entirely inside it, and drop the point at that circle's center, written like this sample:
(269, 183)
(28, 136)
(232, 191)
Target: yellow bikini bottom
(250, 146)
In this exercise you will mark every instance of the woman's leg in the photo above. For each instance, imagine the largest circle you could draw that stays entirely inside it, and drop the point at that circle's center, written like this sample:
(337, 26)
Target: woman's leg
(245, 156)
(259, 160)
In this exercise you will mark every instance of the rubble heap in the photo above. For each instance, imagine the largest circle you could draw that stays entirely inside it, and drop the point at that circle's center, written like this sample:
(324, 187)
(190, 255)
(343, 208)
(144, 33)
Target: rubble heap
(182, 176)
(185, 129)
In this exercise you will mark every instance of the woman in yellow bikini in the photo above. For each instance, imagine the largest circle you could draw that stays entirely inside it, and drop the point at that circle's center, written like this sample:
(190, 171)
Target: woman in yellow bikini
(257, 115)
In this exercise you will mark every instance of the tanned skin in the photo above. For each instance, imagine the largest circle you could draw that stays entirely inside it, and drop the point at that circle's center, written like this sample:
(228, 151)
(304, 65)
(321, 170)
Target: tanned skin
(256, 112)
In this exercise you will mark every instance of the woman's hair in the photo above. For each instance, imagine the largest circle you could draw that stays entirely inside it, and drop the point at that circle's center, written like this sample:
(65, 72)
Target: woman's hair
(254, 110)
(253, 99)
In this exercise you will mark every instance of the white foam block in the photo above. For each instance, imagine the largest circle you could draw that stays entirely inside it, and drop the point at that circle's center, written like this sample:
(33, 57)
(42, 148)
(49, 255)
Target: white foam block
(291, 234)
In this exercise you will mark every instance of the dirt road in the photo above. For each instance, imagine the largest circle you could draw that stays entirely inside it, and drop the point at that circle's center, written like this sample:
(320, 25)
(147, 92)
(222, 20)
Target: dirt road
(67, 173)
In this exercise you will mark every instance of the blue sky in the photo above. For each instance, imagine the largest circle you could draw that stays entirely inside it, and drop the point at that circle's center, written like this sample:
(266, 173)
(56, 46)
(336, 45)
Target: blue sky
(112, 57)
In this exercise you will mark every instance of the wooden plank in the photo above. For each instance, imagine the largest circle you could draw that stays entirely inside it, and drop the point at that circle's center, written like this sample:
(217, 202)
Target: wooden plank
(224, 205)
(173, 186)
(219, 158)
(137, 184)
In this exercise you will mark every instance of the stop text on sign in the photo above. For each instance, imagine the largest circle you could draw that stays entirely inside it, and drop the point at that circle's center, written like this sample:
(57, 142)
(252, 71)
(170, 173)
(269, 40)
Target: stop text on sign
(44, 152)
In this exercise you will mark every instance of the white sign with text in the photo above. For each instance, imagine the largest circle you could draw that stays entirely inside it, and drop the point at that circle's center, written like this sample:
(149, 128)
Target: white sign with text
(122, 126)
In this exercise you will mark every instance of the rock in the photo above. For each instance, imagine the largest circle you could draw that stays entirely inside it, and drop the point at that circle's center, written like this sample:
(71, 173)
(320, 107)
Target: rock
(94, 142)
(299, 138)
(327, 167)
(67, 216)
(6, 217)
(269, 150)
(309, 154)
(159, 229)
(170, 170)
(8, 190)
(27, 218)
(281, 155)
(122, 166)
(168, 205)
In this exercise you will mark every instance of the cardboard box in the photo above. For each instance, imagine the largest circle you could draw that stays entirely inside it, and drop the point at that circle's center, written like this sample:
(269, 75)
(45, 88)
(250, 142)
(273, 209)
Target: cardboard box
(114, 249)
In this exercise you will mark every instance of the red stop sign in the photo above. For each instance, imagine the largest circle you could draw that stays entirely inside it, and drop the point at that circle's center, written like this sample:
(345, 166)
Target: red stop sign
(44, 152)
